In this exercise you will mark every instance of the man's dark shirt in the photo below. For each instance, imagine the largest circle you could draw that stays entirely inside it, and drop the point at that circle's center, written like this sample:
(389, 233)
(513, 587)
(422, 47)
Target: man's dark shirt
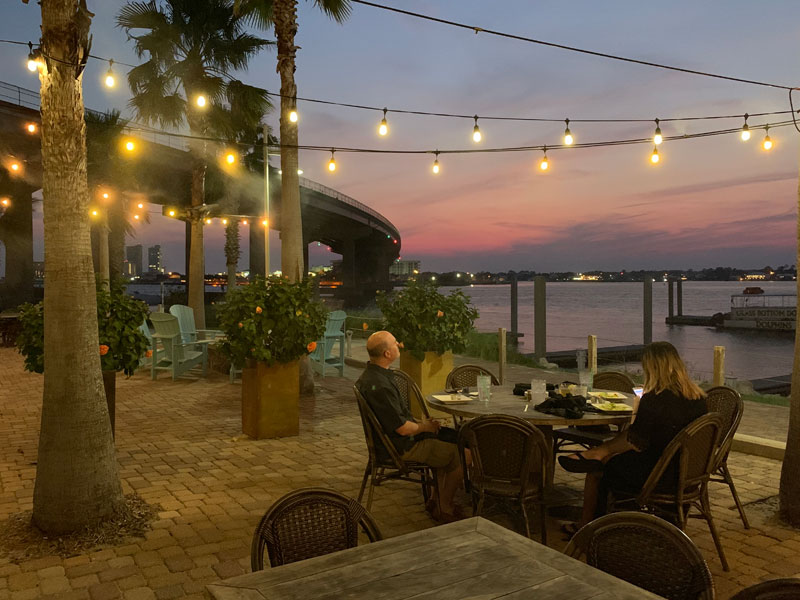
(377, 386)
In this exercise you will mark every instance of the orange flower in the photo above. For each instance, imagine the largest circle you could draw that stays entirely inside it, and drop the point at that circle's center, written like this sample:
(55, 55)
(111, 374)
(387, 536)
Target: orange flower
(148, 354)
(364, 326)
(259, 310)
(439, 313)
(299, 313)
(240, 325)
(311, 346)
(103, 349)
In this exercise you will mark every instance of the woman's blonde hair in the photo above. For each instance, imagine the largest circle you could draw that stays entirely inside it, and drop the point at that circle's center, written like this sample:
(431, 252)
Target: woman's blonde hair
(664, 370)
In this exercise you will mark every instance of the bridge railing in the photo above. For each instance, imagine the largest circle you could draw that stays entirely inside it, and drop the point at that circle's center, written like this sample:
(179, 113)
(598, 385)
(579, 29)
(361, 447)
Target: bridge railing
(17, 95)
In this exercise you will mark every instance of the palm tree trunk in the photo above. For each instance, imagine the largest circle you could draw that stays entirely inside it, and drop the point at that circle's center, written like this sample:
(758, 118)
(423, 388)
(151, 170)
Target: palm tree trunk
(789, 491)
(197, 270)
(77, 479)
(102, 251)
(291, 221)
(232, 252)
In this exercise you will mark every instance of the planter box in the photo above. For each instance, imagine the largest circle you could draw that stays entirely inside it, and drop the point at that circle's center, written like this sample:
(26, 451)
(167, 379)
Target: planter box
(429, 374)
(270, 400)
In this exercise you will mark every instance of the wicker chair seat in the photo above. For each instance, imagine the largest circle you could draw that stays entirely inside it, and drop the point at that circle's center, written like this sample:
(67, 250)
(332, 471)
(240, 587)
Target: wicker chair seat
(775, 589)
(588, 435)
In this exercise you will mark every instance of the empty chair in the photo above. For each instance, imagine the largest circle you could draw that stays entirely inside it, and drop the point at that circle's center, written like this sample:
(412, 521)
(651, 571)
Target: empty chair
(309, 522)
(728, 403)
(467, 376)
(189, 333)
(509, 462)
(178, 357)
(323, 357)
(156, 349)
(588, 436)
(384, 462)
(411, 393)
(647, 552)
(776, 589)
(695, 450)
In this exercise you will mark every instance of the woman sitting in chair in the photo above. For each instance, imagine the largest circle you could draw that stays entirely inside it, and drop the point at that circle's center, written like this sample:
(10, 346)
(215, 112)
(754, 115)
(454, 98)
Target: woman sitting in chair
(671, 401)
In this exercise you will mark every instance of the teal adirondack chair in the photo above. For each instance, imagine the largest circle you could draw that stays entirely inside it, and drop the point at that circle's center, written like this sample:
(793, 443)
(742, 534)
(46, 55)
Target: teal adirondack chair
(322, 358)
(189, 333)
(178, 357)
(158, 351)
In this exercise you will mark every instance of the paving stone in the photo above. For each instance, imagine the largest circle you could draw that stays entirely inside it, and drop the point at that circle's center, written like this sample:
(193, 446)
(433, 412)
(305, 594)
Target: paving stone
(105, 591)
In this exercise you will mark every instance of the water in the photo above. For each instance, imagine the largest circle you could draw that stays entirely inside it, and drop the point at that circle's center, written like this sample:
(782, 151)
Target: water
(613, 312)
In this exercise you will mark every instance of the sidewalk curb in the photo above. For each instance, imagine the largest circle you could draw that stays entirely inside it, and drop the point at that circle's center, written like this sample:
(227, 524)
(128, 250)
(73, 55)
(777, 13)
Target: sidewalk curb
(750, 444)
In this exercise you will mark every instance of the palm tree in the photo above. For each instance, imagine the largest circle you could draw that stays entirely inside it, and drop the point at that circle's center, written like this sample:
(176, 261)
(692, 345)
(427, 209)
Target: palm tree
(193, 48)
(282, 15)
(77, 479)
(232, 251)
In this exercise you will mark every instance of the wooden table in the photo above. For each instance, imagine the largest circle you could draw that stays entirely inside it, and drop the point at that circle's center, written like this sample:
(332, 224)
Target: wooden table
(473, 558)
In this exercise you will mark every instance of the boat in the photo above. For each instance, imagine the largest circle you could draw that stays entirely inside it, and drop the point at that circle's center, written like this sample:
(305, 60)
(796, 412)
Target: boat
(753, 309)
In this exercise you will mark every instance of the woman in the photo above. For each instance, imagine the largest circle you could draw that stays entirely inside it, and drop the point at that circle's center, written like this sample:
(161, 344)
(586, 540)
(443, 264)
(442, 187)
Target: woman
(671, 401)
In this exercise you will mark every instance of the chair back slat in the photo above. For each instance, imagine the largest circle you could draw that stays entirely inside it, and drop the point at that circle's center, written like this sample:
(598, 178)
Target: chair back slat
(467, 376)
(167, 325)
(309, 522)
(380, 447)
(627, 545)
(613, 381)
(185, 316)
(728, 403)
(411, 393)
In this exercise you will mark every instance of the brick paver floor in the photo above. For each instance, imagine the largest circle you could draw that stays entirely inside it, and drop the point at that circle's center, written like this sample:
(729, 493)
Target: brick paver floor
(180, 446)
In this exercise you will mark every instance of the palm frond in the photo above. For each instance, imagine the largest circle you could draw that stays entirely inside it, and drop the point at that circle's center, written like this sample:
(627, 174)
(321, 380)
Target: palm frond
(338, 10)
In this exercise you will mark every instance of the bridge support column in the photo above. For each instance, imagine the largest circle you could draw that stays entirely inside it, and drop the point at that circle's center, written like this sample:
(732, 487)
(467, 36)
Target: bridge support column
(256, 248)
(16, 233)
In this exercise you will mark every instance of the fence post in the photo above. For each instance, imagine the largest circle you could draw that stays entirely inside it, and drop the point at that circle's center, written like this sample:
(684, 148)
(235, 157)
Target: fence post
(648, 311)
(540, 317)
(679, 286)
(592, 347)
(719, 365)
(514, 311)
(670, 300)
(348, 343)
(501, 354)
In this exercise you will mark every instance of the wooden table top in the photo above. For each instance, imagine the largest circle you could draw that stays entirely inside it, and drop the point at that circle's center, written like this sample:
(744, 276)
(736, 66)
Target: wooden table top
(503, 401)
(473, 558)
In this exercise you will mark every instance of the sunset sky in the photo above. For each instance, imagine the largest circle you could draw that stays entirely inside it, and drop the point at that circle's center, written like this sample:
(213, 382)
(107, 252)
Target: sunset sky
(713, 201)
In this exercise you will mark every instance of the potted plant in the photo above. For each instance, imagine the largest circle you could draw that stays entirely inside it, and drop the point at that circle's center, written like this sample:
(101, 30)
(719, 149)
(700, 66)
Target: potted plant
(270, 324)
(122, 344)
(430, 327)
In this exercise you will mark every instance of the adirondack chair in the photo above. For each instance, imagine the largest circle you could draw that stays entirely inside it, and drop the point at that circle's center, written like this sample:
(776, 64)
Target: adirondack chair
(178, 356)
(189, 333)
(322, 358)
(156, 349)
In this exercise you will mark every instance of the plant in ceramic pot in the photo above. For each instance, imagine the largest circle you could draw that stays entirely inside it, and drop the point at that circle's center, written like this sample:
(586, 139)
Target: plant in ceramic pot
(269, 325)
(122, 344)
(430, 326)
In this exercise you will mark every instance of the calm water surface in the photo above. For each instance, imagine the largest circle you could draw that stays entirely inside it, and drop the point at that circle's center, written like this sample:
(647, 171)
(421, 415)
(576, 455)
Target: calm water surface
(613, 312)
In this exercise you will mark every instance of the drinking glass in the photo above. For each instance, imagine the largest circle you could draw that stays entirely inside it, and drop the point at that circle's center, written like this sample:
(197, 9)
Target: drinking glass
(538, 390)
(585, 378)
(484, 388)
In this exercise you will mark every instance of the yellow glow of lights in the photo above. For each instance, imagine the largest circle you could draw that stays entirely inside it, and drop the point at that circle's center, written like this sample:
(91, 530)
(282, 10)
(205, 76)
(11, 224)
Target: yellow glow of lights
(332, 162)
(230, 158)
(767, 143)
(224, 221)
(140, 205)
(105, 196)
(94, 213)
(171, 213)
(293, 117)
(136, 217)
(476, 131)
(745, 133)
(244, 221)
(654, 157)
(383, 128)
(32, 65)
(435, 167)
(200, 100)
(31, 127)
(130, 146)
(15, 167)
(568, 139)
(264, 222)
(544, 164)
(5, 202)
(110, 80)
(208, 221)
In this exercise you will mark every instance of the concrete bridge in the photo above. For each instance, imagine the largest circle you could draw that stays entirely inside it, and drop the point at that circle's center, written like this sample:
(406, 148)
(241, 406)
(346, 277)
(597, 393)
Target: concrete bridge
(367, 241)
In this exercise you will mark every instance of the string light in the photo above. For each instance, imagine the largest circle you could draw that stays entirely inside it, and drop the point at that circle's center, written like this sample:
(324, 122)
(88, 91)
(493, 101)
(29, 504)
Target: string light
(476, 131)
(30, 127)
(244, 221)
(654, 157)
(293, 116)
(383, 128)
(200, 100)
(332, 162)
(224, 221)
(5, 202)
(140, 205)
(110, 80)
(136, 217)
(208, 221)
(657, 137)
(745, 130)
(130, 146)
(94, 213)
(767, 143)
(544, 164)
(171, 213)
(230, 158)
(265, 222)
(435, 167)
(105, 197)
(15, 167)
(34, 60)
(568, 139)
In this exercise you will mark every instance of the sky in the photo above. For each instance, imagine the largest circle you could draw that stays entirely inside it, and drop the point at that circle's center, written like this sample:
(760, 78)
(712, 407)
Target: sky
(710, 202)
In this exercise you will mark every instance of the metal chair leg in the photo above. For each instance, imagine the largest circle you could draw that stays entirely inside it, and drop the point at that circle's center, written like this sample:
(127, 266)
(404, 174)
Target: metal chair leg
(364, 482)
(706, 509)
(726, 474)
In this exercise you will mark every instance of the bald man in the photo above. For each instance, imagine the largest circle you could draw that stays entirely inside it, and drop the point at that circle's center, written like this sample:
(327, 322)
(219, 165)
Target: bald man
(413, 440)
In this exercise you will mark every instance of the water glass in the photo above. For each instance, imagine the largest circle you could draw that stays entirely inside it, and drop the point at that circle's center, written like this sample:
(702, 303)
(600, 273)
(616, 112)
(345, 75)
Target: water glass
(580, 390)
(484, 388)
(585, 378)
(580, 359)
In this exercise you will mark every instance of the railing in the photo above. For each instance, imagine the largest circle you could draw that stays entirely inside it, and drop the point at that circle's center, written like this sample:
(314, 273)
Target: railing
(19, 96)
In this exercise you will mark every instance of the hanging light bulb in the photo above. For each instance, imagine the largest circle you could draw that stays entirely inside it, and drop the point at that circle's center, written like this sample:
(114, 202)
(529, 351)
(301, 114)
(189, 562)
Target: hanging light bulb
(30, 127)
(568, 139)
(208, 221)
(265, 222)
(5, 202)
(230, 158)
(657, 137)
(745, 129)
(476, 131)
(34, 62)
(140, 205)
(293, 116)
(767, 143)
(171, 213)
(224, 221)
(244, 221)
(332, 162)
(15, 167)
(435, 167)
(654, 157)
(200, 100)
(94, 213)
(130, 146)
(110, 80)
(383, 128)
(544, 164)
(136, 217)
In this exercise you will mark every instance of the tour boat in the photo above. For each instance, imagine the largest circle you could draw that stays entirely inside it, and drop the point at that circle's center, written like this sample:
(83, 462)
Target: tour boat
(753, 309)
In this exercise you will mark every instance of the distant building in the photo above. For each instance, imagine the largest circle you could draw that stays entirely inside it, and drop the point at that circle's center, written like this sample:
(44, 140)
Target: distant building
(154, 264)
(404, 268)
(38, 269)
(134, 262)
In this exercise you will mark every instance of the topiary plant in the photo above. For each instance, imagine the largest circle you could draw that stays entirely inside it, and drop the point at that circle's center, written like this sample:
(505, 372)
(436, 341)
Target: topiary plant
(424, 320)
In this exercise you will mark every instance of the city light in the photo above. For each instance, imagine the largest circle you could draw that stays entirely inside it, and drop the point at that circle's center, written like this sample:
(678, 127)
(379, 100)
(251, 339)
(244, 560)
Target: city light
(31, 127)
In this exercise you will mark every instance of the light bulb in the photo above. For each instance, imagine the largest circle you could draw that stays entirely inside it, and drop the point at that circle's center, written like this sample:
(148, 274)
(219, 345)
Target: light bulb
(171, 213)
(657, 137)
(94, 213)
(140, 205)
(435, 167)
(767, 143)
(332, 163)
(105, 196)
(224, 221)
(293, 117)
(568, 139)
(208, 221)
(31, 127)
(230, 158)
(244, 221)
(383, 128)
(745, 129)
(15, 167)
(32, 65)
(200, 100)
(264, 222)
(654, 157)
(544, 164)
(476, 131)
(136, 217)
(130, 146)
(299, 171)
(5, 202)
(110, 81)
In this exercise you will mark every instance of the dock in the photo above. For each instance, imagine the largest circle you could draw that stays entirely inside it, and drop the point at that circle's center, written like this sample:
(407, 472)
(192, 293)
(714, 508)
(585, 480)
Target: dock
(697, 320)
(780, 384)
(567, 359)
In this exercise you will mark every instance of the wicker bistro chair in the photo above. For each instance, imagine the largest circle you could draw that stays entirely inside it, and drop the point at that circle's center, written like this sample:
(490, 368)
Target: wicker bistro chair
(467, 376)
(776, 589)
(411, 393)
(309, 522)
(696, 450)
(510, 458)
(647, 552)
(728, 403)
(566, 438)
(384, 462)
